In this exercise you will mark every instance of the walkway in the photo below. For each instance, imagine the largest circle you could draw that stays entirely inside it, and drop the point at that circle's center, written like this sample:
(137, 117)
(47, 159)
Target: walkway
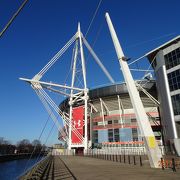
(86, 168)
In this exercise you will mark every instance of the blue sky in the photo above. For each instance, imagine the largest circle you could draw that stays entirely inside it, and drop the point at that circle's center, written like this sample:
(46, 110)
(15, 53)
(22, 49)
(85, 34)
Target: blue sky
(44, 26)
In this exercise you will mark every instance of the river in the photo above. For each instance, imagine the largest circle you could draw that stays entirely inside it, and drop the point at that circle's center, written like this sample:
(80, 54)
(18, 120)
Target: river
(10, 170)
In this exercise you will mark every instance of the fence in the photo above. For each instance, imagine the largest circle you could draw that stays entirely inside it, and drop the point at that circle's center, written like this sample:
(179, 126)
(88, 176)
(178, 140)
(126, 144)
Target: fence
(120, 156)
(56, 152)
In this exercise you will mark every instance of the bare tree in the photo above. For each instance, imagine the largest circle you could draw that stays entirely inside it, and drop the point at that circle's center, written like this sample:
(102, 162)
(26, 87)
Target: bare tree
(24, 146)
(6, 147)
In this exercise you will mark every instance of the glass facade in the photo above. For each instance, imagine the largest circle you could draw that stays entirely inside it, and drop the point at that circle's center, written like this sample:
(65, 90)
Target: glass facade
(172, 59)
(174, 80)
(176, 104)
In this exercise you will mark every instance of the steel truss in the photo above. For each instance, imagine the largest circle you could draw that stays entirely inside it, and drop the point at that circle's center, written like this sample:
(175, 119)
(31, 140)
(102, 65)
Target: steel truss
(76, 93)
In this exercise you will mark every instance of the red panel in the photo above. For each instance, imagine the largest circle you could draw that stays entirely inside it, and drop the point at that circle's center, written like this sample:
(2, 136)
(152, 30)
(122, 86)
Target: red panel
(77, 122)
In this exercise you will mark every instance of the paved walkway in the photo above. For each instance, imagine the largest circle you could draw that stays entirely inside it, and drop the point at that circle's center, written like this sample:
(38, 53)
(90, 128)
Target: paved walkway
(86, 168)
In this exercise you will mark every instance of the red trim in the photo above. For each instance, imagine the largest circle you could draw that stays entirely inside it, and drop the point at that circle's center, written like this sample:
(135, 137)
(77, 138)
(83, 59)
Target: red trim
(99, 118)
(132, 142)
(112, 126)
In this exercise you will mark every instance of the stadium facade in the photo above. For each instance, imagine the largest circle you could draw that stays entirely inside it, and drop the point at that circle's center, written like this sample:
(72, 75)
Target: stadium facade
(112, 120)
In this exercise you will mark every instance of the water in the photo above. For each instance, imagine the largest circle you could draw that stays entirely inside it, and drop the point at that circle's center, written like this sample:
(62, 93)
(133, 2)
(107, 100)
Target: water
(12, 169)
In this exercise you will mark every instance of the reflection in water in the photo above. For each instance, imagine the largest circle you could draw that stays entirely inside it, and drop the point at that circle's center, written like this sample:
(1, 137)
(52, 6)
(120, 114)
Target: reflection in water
(11, 169)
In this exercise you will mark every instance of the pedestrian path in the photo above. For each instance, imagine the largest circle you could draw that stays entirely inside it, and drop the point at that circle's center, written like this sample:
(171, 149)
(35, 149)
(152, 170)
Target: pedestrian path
(87, 168)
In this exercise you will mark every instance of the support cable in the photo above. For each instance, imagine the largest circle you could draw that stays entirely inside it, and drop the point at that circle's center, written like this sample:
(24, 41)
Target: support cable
(142, 70)
(155, 101)
(57, 56)
(98, 61)
(42, 131)
(147, 71)
(13, 18)
(137, 60)
(45, 142)
(58, 111)
(44, 101)
(157, 38)
(93, 18)
(70, 69)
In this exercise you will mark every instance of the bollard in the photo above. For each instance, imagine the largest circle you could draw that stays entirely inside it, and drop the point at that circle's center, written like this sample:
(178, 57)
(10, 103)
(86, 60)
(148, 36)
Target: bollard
(116, 158)
(124, 158)
(134, 160)
(120, 158)
(140, 160)
(173, 165)
(162, 163)
(129, 160)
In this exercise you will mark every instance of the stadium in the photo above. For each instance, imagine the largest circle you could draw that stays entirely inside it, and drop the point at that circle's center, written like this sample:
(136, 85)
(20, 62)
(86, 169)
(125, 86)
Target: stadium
(111, 118)
(107, 116)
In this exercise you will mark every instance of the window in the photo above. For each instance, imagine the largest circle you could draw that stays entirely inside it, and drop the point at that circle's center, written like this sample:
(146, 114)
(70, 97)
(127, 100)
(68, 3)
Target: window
(176, 104)
(116, 138)
(172, 59)
(135, 139)
(116, 131)
(133, 120)
(95, 123)
(109, 122)
(110, 133)
(115, 121)
(174, 80)
(134, 130)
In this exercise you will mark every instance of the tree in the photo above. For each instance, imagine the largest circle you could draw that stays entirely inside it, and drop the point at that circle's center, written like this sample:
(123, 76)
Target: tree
(36, 142)
(24, 142)
(6, 147)
(37, 146)
(1, 140)
(24, 146)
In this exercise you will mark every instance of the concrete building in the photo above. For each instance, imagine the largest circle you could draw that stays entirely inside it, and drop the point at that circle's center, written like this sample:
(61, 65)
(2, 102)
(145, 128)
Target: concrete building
(165, 60)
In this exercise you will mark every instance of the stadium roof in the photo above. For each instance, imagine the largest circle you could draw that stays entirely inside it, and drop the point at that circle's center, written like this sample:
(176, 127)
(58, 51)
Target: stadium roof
(112, 90)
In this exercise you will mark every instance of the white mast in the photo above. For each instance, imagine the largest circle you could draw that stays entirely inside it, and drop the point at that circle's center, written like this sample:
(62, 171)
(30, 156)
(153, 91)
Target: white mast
(152, 148)
(85, 98)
